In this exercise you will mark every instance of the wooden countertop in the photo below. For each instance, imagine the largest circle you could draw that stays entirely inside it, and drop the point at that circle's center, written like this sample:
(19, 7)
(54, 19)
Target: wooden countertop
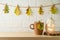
(22, 34)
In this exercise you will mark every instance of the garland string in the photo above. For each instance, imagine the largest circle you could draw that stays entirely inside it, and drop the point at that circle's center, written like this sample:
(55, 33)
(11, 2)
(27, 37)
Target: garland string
(31, 6)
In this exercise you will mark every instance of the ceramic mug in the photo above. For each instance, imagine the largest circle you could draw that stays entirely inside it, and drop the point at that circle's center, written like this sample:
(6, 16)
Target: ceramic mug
(36, 30)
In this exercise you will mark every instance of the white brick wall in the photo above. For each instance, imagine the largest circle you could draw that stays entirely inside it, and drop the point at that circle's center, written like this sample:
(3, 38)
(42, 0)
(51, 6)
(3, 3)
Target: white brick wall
(11, 23)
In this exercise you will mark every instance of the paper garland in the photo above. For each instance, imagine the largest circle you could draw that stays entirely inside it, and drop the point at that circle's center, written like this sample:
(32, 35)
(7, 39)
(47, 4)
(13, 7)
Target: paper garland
(6, 9)
(17, 10)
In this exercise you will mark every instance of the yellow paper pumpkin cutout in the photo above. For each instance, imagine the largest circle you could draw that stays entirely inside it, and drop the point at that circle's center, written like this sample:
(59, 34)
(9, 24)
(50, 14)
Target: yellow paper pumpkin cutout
(17, 10)
(40, 11)
(28, 11)
(6, 9)
(53, 9)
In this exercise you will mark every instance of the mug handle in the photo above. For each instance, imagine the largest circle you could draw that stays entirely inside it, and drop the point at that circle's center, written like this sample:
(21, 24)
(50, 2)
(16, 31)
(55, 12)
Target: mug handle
(31, 26)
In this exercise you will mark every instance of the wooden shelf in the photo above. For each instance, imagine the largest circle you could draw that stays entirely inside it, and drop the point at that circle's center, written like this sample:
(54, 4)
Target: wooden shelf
(22, 34)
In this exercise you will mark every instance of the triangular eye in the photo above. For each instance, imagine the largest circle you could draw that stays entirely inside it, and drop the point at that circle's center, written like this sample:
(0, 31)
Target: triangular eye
(17, 10)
